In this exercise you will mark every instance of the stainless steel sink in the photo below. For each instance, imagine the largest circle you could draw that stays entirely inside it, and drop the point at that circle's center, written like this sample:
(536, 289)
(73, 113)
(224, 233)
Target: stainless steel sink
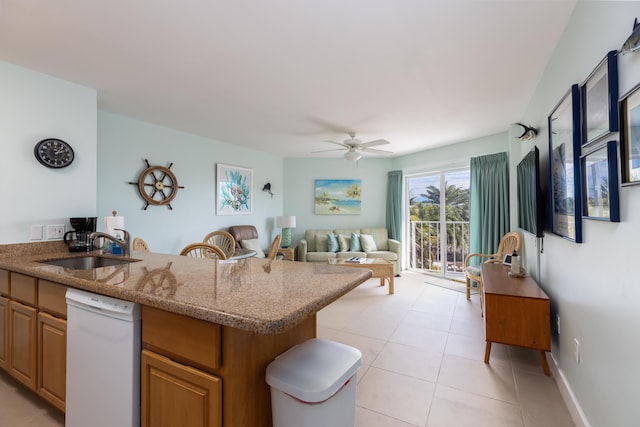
(88, 262)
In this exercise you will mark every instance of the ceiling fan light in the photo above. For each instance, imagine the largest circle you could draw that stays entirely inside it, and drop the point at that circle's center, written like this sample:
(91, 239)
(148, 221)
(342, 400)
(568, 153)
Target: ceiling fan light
(352, 155)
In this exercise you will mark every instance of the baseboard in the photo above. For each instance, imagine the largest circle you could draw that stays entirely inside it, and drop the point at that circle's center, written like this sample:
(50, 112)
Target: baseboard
(577, 415)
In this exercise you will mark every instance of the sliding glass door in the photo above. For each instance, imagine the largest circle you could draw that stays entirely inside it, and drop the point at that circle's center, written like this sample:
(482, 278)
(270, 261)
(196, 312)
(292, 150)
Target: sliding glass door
(438, 222)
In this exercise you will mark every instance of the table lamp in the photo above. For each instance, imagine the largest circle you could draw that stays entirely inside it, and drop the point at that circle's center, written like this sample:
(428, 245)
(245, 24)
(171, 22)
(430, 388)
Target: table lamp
(286, 223)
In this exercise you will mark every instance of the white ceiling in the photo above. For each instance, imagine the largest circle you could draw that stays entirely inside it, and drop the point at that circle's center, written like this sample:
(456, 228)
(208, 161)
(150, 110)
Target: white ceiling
(281, 76)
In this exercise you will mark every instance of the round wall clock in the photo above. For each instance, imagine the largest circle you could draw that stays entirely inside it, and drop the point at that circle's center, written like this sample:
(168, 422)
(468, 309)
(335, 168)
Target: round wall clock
(54, 153)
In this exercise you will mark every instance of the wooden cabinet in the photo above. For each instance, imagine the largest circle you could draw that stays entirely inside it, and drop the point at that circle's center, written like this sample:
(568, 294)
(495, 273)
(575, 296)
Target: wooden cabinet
(52, 359)
(516, 312)
(33, 334)
(182, 356)
(4, 333)
(22, 343)
(177, 395)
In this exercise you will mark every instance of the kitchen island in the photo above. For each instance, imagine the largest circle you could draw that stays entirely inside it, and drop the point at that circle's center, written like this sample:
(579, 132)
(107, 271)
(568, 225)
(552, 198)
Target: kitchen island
(209, 327)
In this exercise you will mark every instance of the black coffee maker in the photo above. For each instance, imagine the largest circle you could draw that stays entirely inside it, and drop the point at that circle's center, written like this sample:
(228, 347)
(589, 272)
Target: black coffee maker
(78, 239)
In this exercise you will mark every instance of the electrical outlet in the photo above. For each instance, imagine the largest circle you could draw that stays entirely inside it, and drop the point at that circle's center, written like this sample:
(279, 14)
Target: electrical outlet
(576, 350)
(55, 231)
(36, 232)
(558, 322)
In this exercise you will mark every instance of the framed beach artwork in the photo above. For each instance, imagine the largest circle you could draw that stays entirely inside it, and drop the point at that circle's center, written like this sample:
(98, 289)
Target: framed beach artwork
(599, 96)
(600, 180)
(630, 136)
(234, 186)
(564, 168)
(338, 196)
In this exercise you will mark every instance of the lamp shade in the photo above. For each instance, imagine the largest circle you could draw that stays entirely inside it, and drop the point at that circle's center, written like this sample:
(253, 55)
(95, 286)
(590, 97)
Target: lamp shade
(286, 221)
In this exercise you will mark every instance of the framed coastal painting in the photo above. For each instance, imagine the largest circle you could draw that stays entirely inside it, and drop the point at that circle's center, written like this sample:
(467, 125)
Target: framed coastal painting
(338, 196)
(564, 167)
(599, 95)
(234, 190)
(600, 181)
(630, 136)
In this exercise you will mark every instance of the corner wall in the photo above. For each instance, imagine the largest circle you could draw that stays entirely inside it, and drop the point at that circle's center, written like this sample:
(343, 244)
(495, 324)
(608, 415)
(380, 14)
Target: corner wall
(593, 286)
(34, 106)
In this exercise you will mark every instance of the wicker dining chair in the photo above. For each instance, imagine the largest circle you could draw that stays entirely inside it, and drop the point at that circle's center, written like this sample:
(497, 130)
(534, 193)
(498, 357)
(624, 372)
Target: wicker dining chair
(510, 242)
(140, 245)
(275, 246)
(223, 240)
(203, 250)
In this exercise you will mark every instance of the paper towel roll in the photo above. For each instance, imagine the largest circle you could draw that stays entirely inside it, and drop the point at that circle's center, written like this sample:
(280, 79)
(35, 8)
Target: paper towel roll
(113, 222)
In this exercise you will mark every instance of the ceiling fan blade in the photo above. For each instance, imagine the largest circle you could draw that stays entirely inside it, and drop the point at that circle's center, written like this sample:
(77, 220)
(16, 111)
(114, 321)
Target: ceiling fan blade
(373, 150)
(325, 151)
(375, 143)
(337, 143)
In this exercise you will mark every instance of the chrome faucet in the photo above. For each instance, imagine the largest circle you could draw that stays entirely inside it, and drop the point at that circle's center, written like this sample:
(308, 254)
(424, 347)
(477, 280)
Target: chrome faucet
(124, 244)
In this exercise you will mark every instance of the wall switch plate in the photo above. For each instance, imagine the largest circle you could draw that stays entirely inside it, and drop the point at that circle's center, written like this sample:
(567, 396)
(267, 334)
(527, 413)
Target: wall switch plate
(576, 350)
(36, 232)
(558, 322)
(55, 231)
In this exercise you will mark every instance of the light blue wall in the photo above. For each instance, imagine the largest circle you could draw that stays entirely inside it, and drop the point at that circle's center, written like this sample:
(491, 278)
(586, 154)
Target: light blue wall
(34, 106)
(593, 286)
(123, 145)
(300, 176)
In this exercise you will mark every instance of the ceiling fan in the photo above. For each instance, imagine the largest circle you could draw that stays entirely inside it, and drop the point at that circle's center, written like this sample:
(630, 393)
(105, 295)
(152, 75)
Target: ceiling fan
(355, 147)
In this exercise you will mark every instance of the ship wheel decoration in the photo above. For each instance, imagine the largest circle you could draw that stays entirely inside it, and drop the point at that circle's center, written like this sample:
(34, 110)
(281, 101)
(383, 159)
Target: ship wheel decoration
(157, 185)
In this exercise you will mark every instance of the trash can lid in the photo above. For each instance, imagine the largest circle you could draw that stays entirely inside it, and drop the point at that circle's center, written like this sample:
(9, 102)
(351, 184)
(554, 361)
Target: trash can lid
(314, 370)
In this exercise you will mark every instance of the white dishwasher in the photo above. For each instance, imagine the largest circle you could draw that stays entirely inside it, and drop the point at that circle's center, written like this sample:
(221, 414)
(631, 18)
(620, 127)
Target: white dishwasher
(103, 361)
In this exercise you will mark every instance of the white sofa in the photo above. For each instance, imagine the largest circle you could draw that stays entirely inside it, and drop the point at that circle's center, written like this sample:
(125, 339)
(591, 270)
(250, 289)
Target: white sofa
(314, 246)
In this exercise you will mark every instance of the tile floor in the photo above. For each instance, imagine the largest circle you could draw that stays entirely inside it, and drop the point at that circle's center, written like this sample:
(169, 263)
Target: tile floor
(422, 350)
(423, 361)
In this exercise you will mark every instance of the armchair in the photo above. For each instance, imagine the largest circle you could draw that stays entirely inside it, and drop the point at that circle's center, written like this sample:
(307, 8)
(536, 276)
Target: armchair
(509, 242)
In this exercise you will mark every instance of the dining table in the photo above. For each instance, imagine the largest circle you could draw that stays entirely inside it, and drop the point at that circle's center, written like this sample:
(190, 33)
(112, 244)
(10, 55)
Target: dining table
(241, 253)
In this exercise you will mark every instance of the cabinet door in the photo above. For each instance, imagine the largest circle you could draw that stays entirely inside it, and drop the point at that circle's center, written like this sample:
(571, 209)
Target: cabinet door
(167, 386)
(52, 359)
(22, 343)
(4, 333)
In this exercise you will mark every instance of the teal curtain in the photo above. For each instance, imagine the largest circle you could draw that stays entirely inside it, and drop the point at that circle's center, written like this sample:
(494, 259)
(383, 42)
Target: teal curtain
(489, 199)
(394, 205)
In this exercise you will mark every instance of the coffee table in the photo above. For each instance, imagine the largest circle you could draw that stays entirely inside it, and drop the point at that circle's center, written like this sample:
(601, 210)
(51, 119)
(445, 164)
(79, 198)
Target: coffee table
(381, 268)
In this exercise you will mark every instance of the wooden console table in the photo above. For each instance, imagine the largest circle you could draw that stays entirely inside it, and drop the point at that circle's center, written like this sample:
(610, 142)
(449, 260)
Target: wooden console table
(516, 312)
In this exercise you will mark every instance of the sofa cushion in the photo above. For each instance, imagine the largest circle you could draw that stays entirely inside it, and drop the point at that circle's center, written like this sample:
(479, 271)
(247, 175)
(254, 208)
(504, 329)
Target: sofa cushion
(354, 244)
(254, 245)
(320, 256)
(322, 244)
(389, 256)
(344, 242)
(347, 255)
(380, 236)
(367, 242)
(310, 237)
(332, 243)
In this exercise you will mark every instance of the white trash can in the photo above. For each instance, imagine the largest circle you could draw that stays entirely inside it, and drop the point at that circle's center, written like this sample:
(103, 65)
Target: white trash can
(313, 385)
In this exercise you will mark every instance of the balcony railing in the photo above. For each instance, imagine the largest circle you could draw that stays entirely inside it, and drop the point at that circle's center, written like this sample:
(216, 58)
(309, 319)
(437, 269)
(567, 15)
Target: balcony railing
(427, 243)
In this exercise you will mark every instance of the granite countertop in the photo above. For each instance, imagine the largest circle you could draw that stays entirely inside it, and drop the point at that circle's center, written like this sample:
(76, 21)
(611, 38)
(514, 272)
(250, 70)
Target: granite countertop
(249, 294)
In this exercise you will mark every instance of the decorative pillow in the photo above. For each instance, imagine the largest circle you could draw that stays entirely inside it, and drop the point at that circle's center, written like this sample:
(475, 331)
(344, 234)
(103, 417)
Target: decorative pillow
(343, 242)
(354, 245)
(367, 242)
(322, 244)
(332, 243)
(254, 245)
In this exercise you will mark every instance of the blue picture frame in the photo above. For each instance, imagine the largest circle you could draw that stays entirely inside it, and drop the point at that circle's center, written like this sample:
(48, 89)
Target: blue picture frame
(601, 198)
(599, 100)
(565, 196)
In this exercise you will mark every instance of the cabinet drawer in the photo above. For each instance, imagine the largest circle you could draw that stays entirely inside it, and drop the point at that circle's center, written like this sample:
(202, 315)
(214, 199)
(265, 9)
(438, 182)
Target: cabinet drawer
(24, 288)
(184, 339)
(51, 297)
(4, 282)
